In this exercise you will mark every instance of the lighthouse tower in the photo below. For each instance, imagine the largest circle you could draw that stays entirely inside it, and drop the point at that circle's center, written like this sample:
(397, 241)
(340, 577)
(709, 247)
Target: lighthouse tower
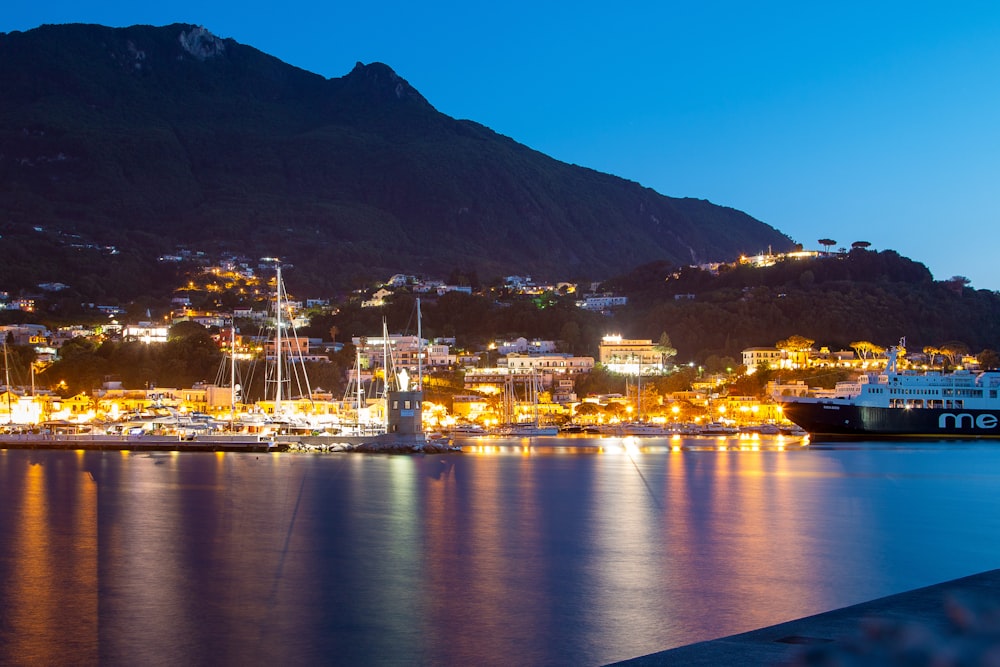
(405, 409)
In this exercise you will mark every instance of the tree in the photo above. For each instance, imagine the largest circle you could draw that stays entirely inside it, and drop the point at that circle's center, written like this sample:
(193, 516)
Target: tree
(956, 283)
(861, 348)
(866, 349)
(796, 348)
(588, 409)
(570, 336)
(860, 245)
(827, 243)
(932, 354)
(666, 349)
(614, 410)
(989, 359)
(795, 343)
(954, 350)
(186, 329)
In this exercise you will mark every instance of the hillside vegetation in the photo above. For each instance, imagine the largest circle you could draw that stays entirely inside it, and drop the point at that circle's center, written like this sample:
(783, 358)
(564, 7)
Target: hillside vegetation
(836, 300)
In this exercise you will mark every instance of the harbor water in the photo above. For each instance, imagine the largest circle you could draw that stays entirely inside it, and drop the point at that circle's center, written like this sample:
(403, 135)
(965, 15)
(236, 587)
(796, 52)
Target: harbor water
(548, 551)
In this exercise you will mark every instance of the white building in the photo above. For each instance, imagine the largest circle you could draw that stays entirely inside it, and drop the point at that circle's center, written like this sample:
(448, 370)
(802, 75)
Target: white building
(524, 346)
(403, 352)
(145, 332)
(602, 302)
(631, 357)
(557, 363)
(755, 356)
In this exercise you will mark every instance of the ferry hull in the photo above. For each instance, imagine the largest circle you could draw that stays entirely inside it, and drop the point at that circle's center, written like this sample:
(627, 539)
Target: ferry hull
(859, 421)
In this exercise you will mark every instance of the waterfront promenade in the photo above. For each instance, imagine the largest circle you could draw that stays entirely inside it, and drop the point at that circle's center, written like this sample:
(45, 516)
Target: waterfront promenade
(955, 622)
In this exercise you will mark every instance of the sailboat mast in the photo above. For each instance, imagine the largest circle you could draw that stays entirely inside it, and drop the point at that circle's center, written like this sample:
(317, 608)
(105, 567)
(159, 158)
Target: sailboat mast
(6, 377)
(638, 392)
(277, 340)
(357, 379)
(385, 370)
(420, 352)
(232, 373)
(534, 393)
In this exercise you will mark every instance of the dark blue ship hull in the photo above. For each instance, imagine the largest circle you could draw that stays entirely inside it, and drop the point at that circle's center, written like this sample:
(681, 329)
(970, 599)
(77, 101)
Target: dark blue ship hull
(858, 421)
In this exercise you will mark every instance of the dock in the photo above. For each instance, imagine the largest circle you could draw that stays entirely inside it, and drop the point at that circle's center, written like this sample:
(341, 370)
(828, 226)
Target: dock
(953, 623)
(384, 443)
(142, 443)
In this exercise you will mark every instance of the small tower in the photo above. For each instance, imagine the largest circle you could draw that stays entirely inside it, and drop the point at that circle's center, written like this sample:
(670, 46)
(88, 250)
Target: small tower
(405, 409)
(405, 413)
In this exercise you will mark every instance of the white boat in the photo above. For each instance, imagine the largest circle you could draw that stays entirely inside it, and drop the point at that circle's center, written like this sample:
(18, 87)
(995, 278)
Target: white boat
(642, 428)
(718, 428)
(900, 403)
(466, 430)
(525, 430)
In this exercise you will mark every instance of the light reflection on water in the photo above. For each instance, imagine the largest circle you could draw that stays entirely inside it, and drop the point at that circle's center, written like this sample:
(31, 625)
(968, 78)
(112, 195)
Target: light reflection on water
(541, 551)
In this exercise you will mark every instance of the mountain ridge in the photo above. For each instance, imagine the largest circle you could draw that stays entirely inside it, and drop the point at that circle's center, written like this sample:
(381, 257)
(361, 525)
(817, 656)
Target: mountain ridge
(148, 137)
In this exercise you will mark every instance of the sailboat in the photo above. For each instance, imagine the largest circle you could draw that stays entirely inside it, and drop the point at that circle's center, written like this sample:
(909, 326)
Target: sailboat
(513, 427)
(284, 370)
(356, 403)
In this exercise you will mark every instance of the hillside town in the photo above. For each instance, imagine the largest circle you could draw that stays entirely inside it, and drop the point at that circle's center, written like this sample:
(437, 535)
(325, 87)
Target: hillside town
(477, 390)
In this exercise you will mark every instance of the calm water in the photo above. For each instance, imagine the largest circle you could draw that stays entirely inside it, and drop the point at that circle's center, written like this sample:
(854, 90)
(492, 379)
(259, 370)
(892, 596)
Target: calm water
(507, 555)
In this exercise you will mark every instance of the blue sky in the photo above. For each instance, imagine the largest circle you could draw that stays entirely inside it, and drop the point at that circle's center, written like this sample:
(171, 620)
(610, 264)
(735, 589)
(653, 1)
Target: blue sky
(854, 121)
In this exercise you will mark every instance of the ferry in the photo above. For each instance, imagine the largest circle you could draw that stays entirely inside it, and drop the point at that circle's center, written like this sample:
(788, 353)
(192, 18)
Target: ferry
(898, 403)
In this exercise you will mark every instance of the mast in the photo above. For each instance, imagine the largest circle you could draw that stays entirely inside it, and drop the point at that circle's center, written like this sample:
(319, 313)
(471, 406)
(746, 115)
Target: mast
(420, 351)
(357, 379)
(6, 376)
(638, 392)
(534, 393)
(277, 340)
(232, 372)
(385, 371)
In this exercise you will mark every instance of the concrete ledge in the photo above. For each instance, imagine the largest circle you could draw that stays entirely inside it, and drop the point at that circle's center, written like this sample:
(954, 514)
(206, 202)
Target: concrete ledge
(958, 620)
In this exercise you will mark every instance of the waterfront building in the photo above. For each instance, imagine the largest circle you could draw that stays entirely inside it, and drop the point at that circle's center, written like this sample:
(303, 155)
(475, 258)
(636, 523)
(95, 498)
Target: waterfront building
(777, 388)
(468, 406)
(745, 410)
(629, 357)
(18, 409)
(554, 364)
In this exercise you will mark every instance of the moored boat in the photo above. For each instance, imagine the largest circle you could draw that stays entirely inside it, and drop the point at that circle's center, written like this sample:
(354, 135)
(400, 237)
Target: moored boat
(898, 403)
(527, 430)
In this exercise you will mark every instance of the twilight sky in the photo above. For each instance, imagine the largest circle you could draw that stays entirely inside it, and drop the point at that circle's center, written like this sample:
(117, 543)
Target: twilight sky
(856, 121)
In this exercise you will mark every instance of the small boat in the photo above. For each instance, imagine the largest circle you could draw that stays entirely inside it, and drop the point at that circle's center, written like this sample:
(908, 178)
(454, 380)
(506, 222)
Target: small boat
(525, 430)
(718, 428)
(466, 430)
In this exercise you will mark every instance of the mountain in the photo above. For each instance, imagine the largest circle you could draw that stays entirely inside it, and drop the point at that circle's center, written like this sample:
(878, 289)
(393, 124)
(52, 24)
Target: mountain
(118, 145)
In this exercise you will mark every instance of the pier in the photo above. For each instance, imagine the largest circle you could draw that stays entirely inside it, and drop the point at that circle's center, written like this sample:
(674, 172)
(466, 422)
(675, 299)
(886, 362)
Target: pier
(955, 622)
(391, 443)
